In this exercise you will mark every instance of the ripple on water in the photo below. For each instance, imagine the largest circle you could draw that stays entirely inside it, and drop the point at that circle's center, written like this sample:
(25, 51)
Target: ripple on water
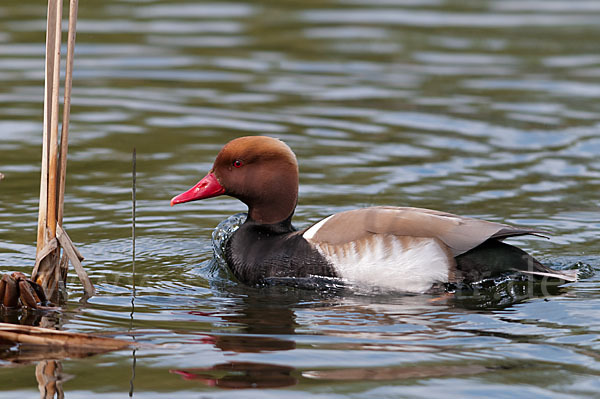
(487, 109)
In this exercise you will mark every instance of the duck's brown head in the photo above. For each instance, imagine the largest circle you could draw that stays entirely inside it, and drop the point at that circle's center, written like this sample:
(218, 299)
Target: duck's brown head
(260, 171)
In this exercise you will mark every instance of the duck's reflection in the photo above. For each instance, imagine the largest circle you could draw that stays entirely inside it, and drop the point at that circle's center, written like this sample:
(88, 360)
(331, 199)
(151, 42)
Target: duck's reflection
(259, 317)
(248, 344)
(265, 318)
(239, 375)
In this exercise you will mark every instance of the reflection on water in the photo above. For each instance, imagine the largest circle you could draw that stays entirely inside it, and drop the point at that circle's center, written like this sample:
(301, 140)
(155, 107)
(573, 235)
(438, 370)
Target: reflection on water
(241, 375)
(487, 109)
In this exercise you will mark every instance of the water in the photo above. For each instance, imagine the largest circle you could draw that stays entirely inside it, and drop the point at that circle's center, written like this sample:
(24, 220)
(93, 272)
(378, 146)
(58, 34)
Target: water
(487, 109)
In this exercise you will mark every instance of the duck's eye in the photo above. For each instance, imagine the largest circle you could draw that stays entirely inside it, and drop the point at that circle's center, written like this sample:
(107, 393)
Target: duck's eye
(237, 163)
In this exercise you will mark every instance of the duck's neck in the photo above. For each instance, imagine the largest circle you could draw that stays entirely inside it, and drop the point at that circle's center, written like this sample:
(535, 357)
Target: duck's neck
(273, 209)
(280, 227)
(268, 216)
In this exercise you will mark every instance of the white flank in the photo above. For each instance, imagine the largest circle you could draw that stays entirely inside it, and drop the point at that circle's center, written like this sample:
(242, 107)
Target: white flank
(310, 233)
(384, 262)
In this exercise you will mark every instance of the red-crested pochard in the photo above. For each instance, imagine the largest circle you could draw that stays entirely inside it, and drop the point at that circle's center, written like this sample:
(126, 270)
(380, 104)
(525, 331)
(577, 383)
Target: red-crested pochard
(397, 248)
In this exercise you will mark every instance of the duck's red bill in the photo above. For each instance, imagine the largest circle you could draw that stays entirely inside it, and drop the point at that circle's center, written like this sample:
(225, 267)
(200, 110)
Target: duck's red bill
(208, 187)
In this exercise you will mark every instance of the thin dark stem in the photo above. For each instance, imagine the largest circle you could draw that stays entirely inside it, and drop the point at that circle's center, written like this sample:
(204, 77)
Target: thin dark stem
(133, 200)
(131, 386)
(133, 177)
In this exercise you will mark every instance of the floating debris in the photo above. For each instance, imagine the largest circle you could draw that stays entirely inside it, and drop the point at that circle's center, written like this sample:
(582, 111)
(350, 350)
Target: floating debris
(37, 343)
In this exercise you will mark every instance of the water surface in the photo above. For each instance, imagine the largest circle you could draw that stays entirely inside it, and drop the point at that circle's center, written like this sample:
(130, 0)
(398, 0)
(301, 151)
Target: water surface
(487, 109)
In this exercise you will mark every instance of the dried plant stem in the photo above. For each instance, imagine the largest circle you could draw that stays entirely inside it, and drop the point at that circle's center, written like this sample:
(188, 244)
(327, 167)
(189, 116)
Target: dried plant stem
(50, 271)
(75, 258)
(64, 137)
(52, 55)
(53, 156)
(49, 337)
(44, 271)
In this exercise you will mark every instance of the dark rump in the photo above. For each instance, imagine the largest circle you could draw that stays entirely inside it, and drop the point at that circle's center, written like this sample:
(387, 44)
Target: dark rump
(493, 258)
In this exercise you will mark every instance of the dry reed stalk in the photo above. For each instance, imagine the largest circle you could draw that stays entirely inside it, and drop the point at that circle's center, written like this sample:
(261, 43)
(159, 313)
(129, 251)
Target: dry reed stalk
(50, 58)
(62, 270)
(49, 269)
(51, 236)
(44, 272)
(64, 137)
(48, 337)
(75, 258)
(54, 120)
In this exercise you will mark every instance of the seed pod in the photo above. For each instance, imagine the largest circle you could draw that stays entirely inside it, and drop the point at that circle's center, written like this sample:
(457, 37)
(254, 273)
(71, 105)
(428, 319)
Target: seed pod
(39, 292)
(28, 295)
(18, 276)
(11, 292)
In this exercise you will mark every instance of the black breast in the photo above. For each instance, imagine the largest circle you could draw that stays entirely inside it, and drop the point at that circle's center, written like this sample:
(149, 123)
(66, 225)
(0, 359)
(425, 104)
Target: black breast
(256, 252)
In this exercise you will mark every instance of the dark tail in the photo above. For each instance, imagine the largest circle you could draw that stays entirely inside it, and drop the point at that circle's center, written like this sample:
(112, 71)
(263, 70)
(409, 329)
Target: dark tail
(493, 258)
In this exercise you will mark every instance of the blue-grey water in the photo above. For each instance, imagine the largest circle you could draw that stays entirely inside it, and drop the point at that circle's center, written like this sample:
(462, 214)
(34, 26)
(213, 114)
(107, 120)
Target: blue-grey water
(488, 109)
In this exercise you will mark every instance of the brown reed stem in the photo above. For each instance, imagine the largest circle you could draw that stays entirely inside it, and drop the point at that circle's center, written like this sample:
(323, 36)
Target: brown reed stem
(48, 87)
(47, 268)
(64, 137)
(49, 271)
(54, 119)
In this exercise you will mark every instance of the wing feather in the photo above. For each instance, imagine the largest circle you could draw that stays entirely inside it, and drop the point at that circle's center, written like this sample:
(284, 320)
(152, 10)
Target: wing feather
(459, 233)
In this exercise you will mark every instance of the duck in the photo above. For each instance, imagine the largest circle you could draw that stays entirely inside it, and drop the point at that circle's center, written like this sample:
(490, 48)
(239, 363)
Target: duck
(407, 249)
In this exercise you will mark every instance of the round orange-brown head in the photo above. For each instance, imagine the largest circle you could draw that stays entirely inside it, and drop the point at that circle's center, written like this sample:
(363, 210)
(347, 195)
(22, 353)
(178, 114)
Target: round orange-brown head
(260, 171)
